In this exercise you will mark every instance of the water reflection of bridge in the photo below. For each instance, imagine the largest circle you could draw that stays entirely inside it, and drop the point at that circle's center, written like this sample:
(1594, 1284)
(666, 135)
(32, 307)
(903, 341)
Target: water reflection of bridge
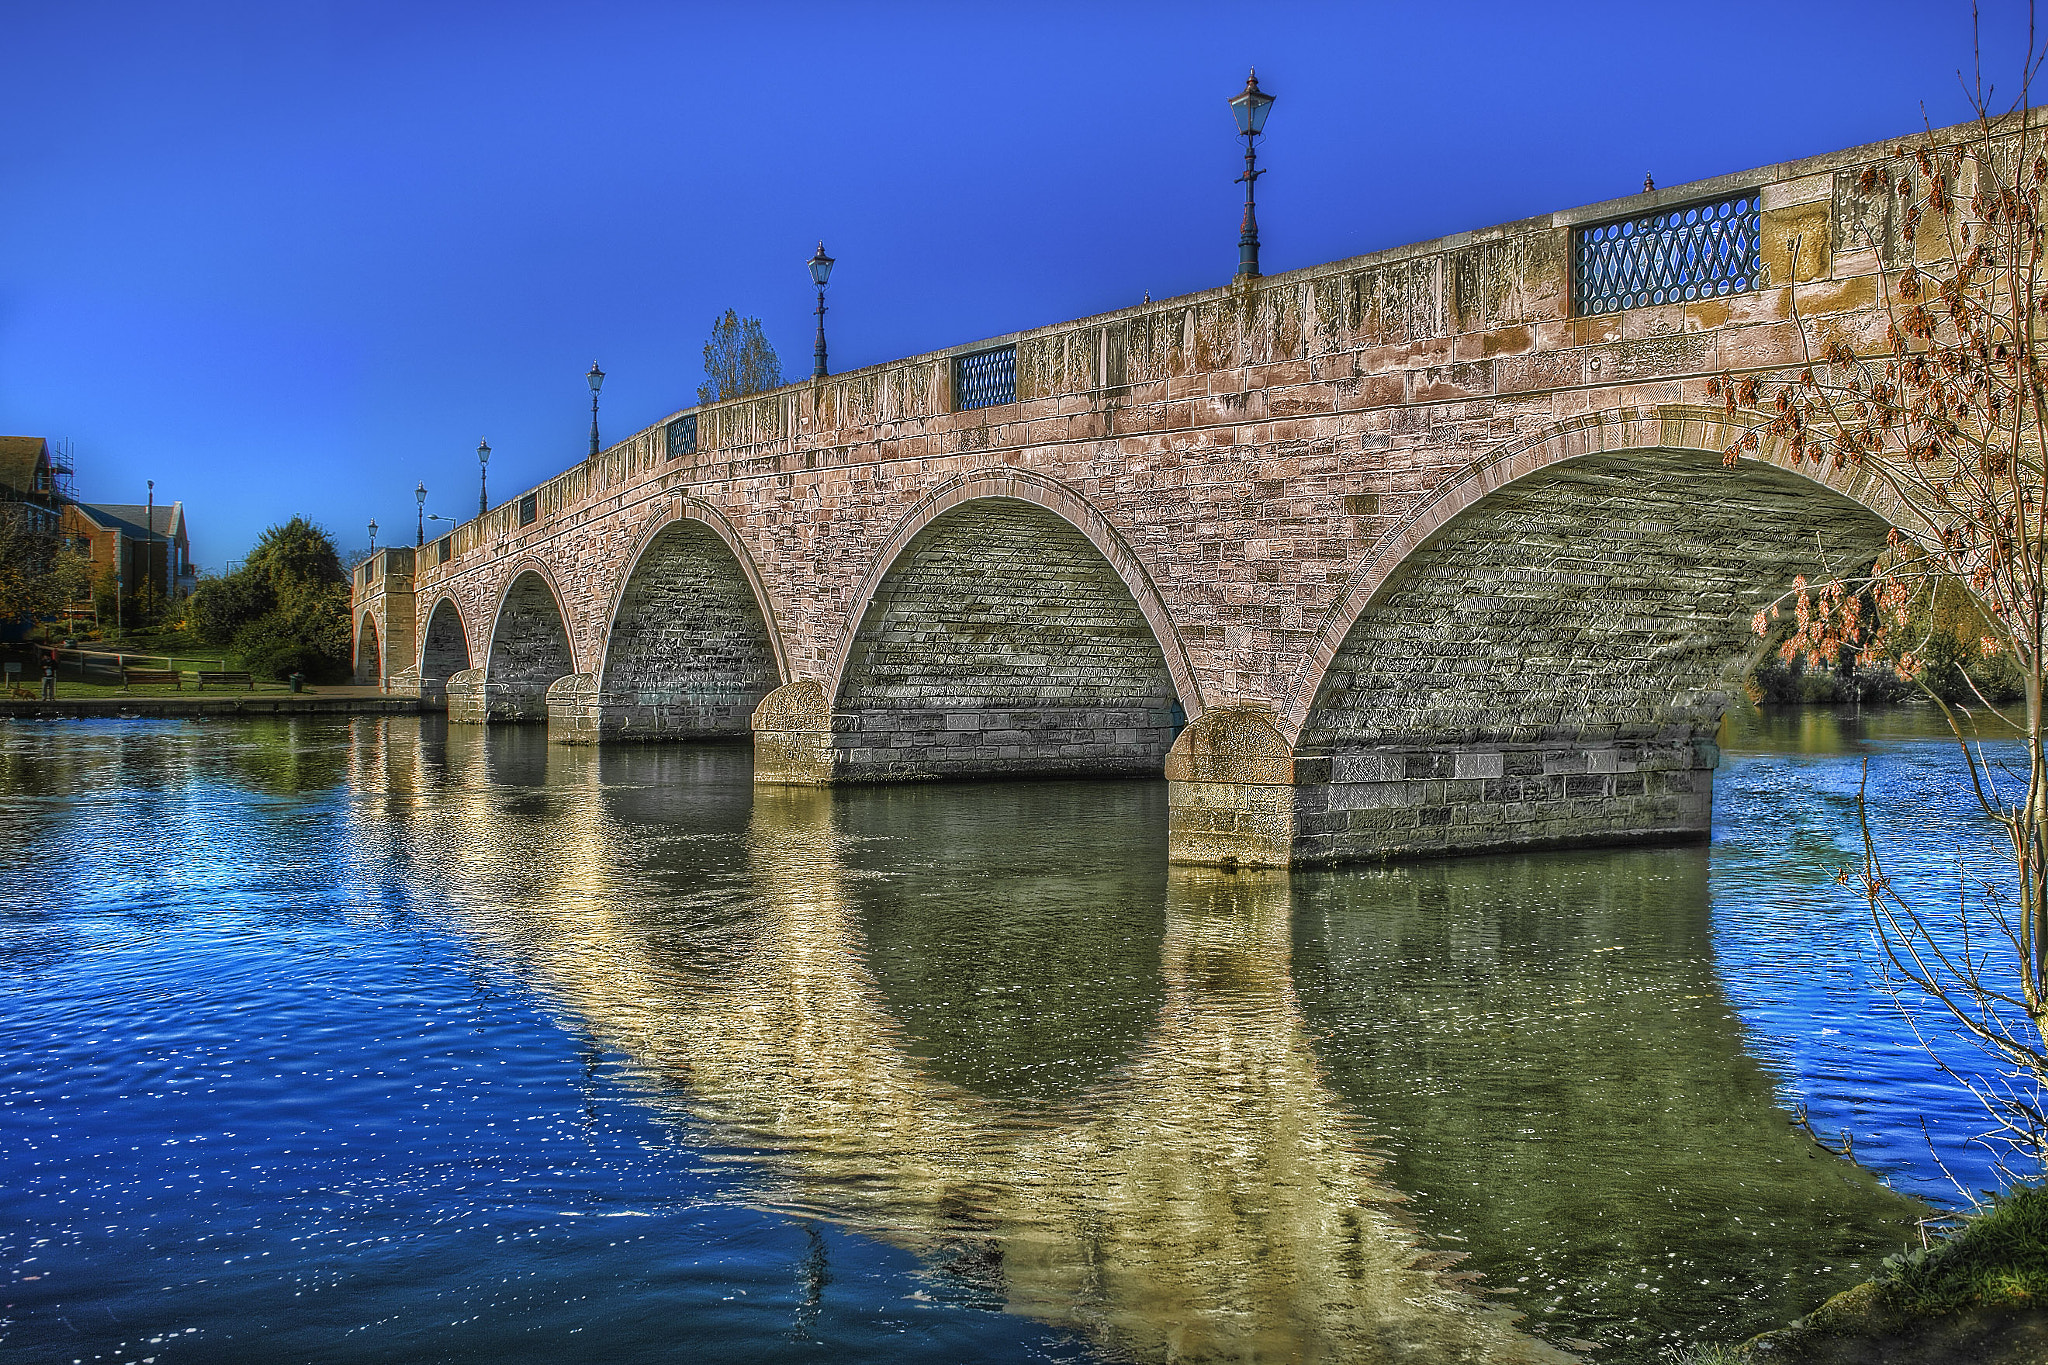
(1207, 1196)
(1210, 1200)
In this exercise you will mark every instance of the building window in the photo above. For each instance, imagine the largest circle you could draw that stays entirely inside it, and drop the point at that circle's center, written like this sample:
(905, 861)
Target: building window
(529, 508)
(1676, 255)
(446, 548)
(985, 379)
(682, 437)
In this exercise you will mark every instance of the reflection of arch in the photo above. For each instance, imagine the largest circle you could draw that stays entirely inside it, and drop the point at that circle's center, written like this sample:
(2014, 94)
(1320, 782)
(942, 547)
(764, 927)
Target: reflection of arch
(369, 658)
(1205, 1201)
(1064, 503)
(1669, 428)
(703, 514)
(445, 650)
(691, 648)
(530, 646)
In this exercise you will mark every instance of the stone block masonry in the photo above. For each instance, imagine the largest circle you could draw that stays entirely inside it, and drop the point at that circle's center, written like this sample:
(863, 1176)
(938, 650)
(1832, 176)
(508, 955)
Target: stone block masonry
(1462, 555)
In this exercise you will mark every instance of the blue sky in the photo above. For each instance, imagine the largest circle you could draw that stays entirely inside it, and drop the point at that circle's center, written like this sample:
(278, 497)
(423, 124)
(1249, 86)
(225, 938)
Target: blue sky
(297, 257)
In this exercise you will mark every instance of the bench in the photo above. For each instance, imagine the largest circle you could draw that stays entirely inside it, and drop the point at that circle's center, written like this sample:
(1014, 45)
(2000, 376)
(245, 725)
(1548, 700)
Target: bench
(153, 675)
(225, 677)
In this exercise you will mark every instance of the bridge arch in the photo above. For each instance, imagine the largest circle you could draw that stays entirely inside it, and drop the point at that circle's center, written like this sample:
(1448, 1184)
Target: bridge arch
(1070, 507)
(530, 646)
(1542, 652)
(369, 669)
(1669, 429)
(692, 644)
(1006, 628)
(444, 648)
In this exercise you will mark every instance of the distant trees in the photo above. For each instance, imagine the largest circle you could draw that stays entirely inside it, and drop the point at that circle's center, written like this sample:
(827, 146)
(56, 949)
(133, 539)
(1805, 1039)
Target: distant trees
(738, 360)
(286, 610)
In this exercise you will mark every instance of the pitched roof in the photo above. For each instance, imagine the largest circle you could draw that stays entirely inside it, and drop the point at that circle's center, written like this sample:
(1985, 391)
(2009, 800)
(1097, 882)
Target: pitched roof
(19, 456)
(129, 516)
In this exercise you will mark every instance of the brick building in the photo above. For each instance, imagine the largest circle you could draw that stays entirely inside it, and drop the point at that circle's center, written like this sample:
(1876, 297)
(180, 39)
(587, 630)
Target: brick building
(148, 544)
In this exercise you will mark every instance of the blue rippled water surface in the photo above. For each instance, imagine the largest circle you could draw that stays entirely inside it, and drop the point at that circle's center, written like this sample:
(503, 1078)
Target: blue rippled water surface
(377, 1041)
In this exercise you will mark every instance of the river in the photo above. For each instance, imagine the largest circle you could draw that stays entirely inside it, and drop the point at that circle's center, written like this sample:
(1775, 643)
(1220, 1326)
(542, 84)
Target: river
(382, 1040)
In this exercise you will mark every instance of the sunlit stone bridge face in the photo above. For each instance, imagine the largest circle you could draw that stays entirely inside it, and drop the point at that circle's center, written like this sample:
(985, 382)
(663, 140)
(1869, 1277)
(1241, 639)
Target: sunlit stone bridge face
(1417, 553)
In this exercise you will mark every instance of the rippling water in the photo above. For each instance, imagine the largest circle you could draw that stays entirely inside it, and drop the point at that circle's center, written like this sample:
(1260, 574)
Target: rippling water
(389, 1041)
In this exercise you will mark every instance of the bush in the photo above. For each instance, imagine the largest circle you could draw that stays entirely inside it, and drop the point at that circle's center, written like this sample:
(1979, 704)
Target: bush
(306, 633)
(222, 607)
(286, 610)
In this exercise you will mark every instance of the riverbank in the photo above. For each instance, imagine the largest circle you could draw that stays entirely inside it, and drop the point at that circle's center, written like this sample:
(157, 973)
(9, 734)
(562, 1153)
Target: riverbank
(1979, 1295)
(328, 701)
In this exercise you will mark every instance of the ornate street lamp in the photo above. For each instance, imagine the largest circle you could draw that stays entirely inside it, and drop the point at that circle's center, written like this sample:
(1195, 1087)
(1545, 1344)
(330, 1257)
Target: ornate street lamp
(596, 378)
(373, 537)
(821, 271)
(1250, 107)
(483, 464)
(421, 494)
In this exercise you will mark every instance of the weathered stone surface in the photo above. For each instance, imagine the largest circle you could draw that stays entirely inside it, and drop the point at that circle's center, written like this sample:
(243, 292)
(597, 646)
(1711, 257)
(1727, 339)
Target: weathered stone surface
(1450, 538)
(1230, 792)
(529, 650)
(444, 653)
(574, 716)
(385, 616)
(1232, 746)
(689, 654)
(793, 736)
(1001, 641)
(369, 653)
(465, 693)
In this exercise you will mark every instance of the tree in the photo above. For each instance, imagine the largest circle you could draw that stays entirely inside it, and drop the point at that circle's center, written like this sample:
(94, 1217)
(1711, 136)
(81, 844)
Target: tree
(39, 575)
(286, 609)
(737, 360)
(1947, 413)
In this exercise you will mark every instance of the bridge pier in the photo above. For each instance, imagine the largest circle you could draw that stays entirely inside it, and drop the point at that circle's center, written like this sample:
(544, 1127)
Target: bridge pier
(575, 709)
(793, 737)
(1231, 793)
(1237, 796)
(465, 692)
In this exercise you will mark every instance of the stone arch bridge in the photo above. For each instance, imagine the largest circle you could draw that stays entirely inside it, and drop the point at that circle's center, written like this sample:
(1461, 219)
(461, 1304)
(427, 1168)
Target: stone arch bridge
(1423, 552)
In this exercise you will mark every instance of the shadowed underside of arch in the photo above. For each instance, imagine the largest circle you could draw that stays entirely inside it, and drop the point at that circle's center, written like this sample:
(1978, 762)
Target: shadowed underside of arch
(529, 651)
(445, 653)
(1552, 666)
(1548, 667)
(369, 658)
(1002, 642)
(690, 654)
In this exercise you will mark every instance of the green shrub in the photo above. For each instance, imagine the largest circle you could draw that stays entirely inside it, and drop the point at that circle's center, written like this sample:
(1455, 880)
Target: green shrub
(1996, 1260)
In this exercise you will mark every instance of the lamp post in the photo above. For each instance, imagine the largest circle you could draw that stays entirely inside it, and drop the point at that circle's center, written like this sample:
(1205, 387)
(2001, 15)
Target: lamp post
(596, 378)
(421, 494)
(821, 271)
(1250, 107)
(483, 464)
(373, 537)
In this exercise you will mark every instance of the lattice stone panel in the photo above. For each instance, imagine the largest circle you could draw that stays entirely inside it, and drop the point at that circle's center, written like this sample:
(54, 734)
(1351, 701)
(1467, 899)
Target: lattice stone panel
(682, 437)
(985, 379)
(1695, 251)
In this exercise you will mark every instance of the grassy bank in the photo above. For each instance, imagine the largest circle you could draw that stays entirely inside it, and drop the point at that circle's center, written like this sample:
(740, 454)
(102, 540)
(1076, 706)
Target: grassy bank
(1979, 1295)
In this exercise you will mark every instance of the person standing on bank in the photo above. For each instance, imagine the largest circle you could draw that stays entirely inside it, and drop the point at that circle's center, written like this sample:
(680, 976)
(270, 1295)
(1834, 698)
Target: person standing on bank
(50, 679)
